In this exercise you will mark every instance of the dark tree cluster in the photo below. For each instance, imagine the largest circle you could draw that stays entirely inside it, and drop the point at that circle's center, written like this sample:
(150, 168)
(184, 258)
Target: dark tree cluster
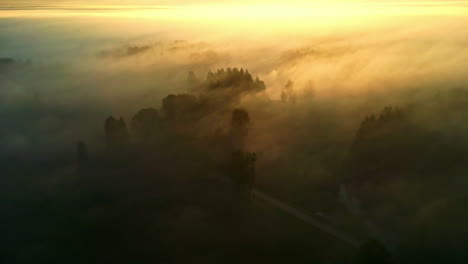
(240, 123)
(381, 146)
(181, 107)
(242, 167)
(145, 124)
(181, 114)
(146, 127)
(219, 93)
(233, 78)
(378, 126)
(116, 133)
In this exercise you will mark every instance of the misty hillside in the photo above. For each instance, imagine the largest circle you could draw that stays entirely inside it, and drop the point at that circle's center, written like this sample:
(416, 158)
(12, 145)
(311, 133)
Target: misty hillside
(250, 134)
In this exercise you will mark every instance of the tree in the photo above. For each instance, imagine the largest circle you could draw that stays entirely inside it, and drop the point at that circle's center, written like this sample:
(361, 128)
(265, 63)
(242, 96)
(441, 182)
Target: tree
(180, 107)
(116, 133)
(233, 79)
(384, 145)
(146, 123)
(240, 123)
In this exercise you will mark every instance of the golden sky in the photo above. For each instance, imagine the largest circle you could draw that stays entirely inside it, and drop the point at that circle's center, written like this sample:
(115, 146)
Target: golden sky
(209, 2)
(227, 9)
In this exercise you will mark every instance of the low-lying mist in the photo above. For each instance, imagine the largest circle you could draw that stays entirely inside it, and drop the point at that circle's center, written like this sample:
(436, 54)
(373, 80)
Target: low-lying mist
(365, 126)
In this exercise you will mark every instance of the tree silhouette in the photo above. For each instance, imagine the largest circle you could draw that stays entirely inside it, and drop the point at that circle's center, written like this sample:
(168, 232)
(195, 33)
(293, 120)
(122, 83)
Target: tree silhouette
(116, 133)
(180, 107)
(383, 145)
(235, 79)
(240, 122)
(383, 124)
(146, 123)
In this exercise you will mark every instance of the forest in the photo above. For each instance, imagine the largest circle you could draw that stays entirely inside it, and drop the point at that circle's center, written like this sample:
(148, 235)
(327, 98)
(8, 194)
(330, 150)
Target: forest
(174, 183)
(332, 134)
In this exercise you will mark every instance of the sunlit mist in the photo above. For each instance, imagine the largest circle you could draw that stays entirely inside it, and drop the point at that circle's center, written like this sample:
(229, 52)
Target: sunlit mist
(157, 131)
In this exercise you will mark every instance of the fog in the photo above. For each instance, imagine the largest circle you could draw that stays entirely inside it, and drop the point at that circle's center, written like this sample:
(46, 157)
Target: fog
(358, 119)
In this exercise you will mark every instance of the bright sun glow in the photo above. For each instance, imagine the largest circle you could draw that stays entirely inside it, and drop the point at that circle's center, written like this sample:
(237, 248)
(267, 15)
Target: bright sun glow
(251, 12)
